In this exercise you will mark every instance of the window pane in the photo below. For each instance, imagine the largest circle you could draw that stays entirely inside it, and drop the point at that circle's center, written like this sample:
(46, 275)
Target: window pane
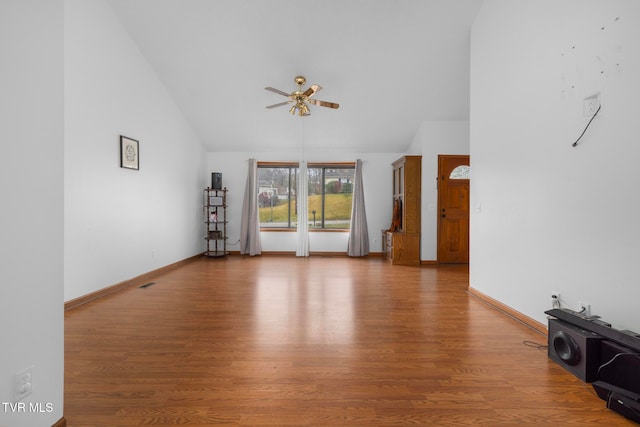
(315, 197)
(338, 193)
(276, 189)
(461, 172)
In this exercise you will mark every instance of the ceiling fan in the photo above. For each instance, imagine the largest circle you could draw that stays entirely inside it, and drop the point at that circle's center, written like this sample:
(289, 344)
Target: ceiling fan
(300, 98)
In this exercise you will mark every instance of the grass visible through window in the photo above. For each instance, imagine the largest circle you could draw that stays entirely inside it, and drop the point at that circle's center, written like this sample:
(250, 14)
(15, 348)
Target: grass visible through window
(337, 212)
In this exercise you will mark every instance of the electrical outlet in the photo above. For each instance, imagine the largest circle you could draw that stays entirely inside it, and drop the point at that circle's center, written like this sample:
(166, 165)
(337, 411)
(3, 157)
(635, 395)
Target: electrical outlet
(23, 383)
(590, 104)
(585, 308)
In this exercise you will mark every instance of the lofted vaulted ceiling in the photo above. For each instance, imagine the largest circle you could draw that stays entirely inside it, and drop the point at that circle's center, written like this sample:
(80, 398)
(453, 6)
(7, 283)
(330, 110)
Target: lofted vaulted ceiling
(390, 64)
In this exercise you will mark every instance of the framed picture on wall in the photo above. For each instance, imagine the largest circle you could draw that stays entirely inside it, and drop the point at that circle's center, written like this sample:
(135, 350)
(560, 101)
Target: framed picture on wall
(129, 153)
(215, 201)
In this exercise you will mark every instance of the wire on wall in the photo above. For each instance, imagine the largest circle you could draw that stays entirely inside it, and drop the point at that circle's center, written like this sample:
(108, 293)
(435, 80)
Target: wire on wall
(587, 127)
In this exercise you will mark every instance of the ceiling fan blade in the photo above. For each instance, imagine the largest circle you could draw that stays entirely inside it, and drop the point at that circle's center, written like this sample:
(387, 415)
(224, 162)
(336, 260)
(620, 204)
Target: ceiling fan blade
(312, 90)
(280, 104)
(323, 103)
(278, 91)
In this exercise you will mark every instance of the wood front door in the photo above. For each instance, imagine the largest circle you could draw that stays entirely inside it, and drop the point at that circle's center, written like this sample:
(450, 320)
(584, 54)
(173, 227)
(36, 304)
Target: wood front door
(453, 209)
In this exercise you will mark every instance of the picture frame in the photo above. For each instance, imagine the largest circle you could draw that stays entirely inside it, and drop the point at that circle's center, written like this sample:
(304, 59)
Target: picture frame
(129, 153)
(216, 201)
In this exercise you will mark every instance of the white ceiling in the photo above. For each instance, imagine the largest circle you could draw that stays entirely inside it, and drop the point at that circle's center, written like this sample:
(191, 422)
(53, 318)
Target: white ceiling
(390, 64)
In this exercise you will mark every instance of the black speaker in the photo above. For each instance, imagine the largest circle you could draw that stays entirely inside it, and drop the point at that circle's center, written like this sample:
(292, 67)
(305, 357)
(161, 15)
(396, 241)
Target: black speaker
(575, 349)
(619, 366)
(216, 180)
(620, 400)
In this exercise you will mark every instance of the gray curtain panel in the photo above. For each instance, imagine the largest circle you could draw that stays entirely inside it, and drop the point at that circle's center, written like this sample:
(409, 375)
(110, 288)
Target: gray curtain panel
(250, 223)
(359, 232)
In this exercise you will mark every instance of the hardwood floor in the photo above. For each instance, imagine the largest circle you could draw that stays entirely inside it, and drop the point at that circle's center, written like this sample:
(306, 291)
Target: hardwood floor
(320, 341)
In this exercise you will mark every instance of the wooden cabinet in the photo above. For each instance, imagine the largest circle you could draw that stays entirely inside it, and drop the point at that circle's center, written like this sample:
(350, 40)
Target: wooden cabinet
(215, 211)
(401, 242)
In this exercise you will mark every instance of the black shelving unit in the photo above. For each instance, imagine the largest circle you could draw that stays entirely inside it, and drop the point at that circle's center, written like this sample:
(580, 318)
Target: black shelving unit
(215, 211)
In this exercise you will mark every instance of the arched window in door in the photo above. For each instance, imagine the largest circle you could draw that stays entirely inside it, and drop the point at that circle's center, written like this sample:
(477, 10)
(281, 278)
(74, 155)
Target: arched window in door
(460, 172)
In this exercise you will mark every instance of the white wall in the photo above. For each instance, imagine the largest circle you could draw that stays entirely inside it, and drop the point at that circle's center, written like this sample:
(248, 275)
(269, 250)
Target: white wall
(431, 140)
(376, 176)
(555, 217)
(31, 182)
(120, 223)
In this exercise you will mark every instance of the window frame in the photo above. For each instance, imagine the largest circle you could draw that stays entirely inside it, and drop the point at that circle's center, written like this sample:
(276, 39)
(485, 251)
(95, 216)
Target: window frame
(310, 165)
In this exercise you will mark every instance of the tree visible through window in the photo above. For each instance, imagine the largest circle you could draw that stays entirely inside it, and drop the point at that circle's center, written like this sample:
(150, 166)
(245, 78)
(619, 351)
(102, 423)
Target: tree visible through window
(329, 202)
